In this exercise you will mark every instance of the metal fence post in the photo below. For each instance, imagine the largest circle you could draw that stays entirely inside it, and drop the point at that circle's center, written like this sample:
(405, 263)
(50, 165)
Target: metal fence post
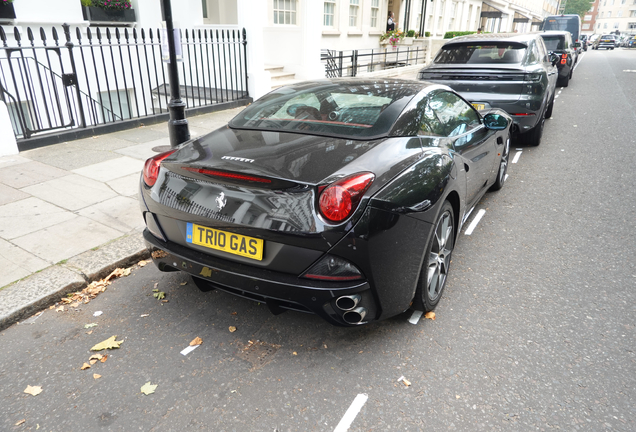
(354, 62)
(69, 45)
(340, 68)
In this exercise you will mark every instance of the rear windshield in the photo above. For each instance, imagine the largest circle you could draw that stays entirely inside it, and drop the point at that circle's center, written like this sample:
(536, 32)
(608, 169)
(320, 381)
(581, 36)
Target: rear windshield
(329, 108)
(554, 43)
(486, 52)
(608, 37)
(562, 24)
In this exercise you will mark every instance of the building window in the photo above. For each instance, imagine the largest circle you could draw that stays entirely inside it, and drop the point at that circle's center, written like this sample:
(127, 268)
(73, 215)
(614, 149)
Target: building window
(623, 2)
(330, 7)
(354, 6)
(609, 14)
(586, 26)
(611, 2)
(285, 12)
(632, 14)
(204, 4)
(375, 11)
(631, 26)
(615, 25)
(602, 13)
(605, 25)
(620, 13)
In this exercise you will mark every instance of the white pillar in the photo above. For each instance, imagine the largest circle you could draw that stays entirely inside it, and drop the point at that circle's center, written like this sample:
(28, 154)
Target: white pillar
(8, 144)
(252, 15)
(311, 31)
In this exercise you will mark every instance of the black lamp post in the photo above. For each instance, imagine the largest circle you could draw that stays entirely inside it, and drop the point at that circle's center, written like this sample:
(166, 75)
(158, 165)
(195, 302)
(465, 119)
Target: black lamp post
(178, 124)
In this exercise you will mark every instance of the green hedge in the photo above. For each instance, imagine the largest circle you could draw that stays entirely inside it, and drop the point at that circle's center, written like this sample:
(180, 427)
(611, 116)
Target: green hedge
(452, 34)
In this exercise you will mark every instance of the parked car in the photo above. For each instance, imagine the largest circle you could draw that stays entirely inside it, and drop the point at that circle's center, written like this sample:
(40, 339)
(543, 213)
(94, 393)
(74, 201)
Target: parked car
(567, 22)
(510, 71)
(339, 197)
(592, 39)
(607, 41)
(560, 43)
(583, 42)
(631, 42)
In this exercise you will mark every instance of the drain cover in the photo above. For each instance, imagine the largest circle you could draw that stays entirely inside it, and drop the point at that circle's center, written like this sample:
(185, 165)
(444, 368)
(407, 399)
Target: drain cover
(257, 353)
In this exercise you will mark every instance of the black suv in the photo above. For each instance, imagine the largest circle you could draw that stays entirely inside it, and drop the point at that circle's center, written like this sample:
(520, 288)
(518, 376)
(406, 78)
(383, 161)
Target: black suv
(560, 43)
(510, 71)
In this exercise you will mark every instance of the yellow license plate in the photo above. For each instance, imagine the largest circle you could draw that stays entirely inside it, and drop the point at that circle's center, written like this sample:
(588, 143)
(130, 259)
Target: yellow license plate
(235, 244)
(479, 106)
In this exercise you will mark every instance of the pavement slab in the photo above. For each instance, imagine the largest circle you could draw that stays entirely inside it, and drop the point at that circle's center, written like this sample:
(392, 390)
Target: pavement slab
(112, 169)
(29, 173)
(72, 192)
(69, 156)
(120, 213)
(67, 239)
(145, 150)
(139, 135)
(29, 215)
(16, 263)
(6, 161)
(9, 194)
(28, 296)
(126, 186)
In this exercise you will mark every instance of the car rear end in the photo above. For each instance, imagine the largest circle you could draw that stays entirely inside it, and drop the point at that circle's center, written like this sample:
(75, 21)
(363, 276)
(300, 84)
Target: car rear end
(606, 42)
(270, 215)
(492, 74)
(557, 43)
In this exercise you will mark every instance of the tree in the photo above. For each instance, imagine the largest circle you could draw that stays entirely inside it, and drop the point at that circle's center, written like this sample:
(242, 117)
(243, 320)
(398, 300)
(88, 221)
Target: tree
(578, 7)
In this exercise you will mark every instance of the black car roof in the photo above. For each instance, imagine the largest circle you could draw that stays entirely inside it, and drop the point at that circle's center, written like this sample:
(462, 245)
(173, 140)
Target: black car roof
(523, 38)
(415, 86)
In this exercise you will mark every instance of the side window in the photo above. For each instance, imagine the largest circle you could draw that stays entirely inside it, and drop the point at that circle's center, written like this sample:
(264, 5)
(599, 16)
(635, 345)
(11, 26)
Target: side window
(431, 124)
(532, 55)
(456, 116)
(542, 52)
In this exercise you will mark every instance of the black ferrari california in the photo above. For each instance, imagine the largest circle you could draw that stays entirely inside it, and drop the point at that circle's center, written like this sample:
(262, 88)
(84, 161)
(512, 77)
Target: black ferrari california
(339, 197)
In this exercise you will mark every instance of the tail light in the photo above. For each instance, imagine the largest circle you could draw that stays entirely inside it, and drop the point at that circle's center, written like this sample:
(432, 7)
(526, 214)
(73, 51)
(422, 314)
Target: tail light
(340, 199)
(151, 167)
(333, 268)
(564, 58)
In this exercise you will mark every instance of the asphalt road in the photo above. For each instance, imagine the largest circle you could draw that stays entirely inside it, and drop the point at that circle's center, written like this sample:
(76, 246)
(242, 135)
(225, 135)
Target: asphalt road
(536, 329)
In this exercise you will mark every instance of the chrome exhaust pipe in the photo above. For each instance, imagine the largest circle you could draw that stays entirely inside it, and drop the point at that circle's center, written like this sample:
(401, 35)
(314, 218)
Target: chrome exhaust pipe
(348, 302)
(354, 316)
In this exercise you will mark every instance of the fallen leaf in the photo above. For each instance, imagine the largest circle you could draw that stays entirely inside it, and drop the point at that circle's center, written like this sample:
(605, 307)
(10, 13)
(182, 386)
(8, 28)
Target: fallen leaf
(360, 352)
(159, 295)
(196, 341)
(85, 366)
(92, 362)
(142, 263)
(109, 343)
(76, 304)
(96, 357)
(183, 283)
(144, 315)
(294, 353)
(60, 309)
(89, 332)
(430, 315)
(156, 283)
(91, 325)
(148, 388)
(104, 358)
(234, 313)
(52, 307)
(97, 376)
(232, 329)
(33, 390)
(155, 290)
(457, 396)
(20, 422)
(165, 301)
(206, 272)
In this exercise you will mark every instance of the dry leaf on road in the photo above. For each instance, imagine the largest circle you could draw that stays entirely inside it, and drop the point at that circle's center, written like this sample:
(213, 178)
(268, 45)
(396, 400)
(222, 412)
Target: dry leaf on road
(96, 357)
(109, 343)
(60, 309)
(196, 341)
(183, 283)
(85, 366)
(232, 329)
(91, 325)
(92, 362)
(160, 295)
(142, 263)
(148, 388)
(20, 422)
(430, 315)
(97, 376)
(33, 390)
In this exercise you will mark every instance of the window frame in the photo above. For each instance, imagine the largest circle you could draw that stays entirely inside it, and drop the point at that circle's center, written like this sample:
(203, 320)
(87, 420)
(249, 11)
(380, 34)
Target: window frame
(292, 12)
(334, 4)
(354, 5)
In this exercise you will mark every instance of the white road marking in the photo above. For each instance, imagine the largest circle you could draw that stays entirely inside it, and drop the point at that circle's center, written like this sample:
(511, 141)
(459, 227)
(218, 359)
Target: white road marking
(506, 177)
(556, 97)
(189, 349)
(517, 156)
(351, 413)
(579, 62)
(475, 221)
(415, 318)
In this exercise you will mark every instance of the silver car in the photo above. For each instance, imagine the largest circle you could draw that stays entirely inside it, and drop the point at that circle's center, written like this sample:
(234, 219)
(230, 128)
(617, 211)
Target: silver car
(510, 71)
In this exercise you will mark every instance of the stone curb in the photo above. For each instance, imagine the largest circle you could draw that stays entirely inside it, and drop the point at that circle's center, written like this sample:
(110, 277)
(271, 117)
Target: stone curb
(40, 290)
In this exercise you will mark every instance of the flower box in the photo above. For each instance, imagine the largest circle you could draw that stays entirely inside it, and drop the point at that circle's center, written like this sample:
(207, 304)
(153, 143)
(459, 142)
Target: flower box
(7, 12)
(96, 14)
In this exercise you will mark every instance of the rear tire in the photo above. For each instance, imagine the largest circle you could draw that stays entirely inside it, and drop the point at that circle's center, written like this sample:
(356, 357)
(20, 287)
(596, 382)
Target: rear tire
(548, 112)
(503, 167)
(533, 137)
(437, 260)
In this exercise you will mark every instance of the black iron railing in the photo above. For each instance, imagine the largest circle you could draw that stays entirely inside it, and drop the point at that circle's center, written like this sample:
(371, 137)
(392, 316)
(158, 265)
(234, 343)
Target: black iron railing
(101, 76)
(353, 63)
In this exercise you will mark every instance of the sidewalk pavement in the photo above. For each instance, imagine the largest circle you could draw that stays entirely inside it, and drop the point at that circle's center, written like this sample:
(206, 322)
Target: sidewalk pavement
(69, 212)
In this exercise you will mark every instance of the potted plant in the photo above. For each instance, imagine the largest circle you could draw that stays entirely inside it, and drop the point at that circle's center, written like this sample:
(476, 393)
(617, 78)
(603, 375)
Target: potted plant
(108, 11)
(6, 10)
(392, 37)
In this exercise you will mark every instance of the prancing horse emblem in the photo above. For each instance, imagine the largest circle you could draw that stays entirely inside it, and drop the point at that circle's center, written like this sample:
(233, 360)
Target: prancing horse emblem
(221, 201)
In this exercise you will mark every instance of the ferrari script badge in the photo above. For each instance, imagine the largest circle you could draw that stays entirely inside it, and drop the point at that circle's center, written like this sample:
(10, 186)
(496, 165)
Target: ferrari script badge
(221, 201)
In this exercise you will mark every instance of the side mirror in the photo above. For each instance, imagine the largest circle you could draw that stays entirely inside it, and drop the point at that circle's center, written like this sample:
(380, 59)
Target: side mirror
(495, 122)
(554, 58)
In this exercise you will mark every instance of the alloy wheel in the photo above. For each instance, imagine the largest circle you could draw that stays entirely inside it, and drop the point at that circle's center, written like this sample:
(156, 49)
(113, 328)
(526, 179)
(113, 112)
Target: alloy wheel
(440, 256)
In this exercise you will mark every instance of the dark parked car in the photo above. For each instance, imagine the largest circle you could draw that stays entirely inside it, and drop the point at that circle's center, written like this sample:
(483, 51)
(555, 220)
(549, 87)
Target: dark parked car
(339, 197)
(560, 43)
(567, 22)
(607, 41)
(510, 71)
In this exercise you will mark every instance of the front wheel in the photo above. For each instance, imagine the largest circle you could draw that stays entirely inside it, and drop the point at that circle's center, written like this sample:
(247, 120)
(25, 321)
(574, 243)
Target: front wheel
(503, 167)
(437, 260)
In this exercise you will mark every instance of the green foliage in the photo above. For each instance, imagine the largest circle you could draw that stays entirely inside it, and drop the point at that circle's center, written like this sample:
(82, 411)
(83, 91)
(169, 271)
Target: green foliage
(5, 2)
(108, 4)
(87, 3)
(410, 33)
(578, 7)
(427, 34)
(452, 34)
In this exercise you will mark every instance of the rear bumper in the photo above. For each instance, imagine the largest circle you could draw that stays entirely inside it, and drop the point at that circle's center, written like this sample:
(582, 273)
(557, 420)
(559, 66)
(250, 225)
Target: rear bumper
(278, 290)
